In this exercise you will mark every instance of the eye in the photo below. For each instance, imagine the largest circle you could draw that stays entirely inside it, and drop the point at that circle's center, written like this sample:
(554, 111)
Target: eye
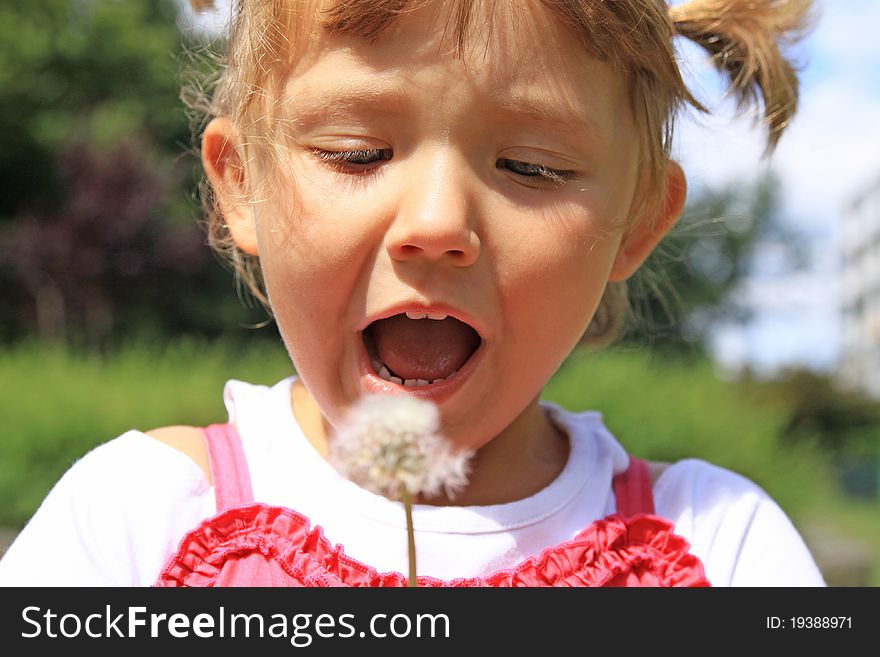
(537, 171)
(357, 161)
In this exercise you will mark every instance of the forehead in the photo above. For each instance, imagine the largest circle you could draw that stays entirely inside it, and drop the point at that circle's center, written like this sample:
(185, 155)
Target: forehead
(501, 35)
(505, 50)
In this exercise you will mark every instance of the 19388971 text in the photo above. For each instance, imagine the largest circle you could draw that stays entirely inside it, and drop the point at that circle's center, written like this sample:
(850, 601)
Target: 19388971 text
(809, 623)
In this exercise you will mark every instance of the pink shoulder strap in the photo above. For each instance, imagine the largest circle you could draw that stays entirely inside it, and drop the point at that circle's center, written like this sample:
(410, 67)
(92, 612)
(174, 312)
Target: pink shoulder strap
(229, 471)
(632, 489)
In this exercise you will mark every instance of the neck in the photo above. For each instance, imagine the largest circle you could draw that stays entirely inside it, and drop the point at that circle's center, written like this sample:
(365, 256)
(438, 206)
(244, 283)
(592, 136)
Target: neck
(520, 461)
(309, 417)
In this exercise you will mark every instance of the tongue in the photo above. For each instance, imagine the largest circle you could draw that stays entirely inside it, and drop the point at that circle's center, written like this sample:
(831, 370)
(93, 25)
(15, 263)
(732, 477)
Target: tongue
(426, 349)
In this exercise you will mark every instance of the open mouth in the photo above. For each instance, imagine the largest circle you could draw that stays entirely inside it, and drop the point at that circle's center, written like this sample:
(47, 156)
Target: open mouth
(417, 349)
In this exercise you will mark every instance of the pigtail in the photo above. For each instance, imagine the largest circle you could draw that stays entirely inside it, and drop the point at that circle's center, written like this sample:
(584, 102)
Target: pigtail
(745, 39)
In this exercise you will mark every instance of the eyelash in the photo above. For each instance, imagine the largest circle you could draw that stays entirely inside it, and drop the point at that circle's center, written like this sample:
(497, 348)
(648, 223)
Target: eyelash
(349, 161)
(531, 170)
(345, 160)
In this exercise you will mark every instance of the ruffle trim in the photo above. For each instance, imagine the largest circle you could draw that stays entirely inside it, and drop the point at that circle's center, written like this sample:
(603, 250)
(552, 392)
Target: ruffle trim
(641, 550)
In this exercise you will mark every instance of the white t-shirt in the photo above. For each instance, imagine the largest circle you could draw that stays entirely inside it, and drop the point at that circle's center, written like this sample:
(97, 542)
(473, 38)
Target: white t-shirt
(119, 513)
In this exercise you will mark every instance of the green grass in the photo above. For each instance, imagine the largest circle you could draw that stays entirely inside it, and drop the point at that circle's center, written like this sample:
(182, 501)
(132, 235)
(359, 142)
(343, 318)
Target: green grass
(58, 404)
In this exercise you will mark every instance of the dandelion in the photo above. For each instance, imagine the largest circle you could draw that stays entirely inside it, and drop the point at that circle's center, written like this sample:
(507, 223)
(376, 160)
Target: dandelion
(392, 446)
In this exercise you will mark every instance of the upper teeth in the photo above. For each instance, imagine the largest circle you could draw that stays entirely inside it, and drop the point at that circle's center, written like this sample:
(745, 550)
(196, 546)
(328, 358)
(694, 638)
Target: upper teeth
(412, 314)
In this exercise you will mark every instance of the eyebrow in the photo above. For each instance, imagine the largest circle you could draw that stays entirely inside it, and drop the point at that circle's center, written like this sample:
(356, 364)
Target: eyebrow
(550, 115)
(340, 99)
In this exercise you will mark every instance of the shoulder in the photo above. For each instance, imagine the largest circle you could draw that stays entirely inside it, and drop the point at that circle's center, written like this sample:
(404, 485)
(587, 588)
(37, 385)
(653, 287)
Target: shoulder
(694, 490)
(187, 440)
(118, 512)
(133, 469)
(696, 477)
(739, 532)
(137, 459)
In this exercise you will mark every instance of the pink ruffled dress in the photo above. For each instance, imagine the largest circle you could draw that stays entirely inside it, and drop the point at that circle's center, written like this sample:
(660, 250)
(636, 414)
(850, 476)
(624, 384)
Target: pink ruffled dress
(252, 544)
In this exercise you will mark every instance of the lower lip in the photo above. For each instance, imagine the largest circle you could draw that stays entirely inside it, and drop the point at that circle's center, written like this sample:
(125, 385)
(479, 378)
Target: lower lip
(435, 392)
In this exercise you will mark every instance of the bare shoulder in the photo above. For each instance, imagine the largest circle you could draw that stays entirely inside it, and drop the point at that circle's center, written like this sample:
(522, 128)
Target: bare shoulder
(187, 440)
(655, 469)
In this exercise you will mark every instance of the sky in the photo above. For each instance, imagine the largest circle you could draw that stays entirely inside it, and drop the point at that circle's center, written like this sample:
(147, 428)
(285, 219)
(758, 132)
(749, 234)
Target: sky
(829, 155)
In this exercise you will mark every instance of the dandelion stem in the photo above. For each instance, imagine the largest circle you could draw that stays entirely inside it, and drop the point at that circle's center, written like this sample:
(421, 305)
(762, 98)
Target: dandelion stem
(410, 537)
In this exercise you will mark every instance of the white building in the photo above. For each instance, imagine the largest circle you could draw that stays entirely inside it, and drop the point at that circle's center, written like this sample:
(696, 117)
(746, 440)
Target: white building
(860, 294)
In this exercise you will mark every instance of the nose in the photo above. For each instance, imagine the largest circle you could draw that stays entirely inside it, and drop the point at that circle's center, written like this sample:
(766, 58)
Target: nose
(435, 215)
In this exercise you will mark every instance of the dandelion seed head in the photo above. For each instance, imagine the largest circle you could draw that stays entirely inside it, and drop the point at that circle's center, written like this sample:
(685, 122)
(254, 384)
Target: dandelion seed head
(389, 444)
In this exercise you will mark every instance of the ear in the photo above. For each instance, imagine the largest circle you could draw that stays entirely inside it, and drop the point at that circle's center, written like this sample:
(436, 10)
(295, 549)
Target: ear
(221, 158)
(641, 239)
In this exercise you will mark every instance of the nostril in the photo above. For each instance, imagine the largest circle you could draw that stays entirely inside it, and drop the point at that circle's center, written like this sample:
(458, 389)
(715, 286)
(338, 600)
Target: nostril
(409, 249)
(458, 254)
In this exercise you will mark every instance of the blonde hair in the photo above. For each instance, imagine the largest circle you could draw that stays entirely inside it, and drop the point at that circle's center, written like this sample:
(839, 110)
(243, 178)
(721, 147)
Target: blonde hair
(744, 38)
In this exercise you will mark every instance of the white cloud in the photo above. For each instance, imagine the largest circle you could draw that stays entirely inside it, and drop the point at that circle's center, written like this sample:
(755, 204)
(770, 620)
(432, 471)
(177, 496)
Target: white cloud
(833, 152)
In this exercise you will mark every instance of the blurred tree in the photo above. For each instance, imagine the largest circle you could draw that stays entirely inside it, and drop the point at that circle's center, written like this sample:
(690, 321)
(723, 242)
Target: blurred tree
(691, 281)
(96, 207)
(90, 71)
(105, 252)
(823, 410)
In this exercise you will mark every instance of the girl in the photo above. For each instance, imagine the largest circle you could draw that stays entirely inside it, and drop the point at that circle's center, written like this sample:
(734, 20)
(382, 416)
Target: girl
(438, 199)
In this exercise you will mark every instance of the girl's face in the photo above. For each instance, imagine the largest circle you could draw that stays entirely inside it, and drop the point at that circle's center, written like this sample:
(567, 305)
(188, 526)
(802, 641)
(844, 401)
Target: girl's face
(491, 186)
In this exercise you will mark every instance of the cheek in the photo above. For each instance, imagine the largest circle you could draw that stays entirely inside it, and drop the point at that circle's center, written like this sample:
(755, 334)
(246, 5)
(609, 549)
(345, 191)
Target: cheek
(313, 257)
(312, 246)
(554, 277)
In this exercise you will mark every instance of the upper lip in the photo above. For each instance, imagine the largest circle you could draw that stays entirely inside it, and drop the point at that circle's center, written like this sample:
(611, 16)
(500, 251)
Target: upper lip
(418, 306)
